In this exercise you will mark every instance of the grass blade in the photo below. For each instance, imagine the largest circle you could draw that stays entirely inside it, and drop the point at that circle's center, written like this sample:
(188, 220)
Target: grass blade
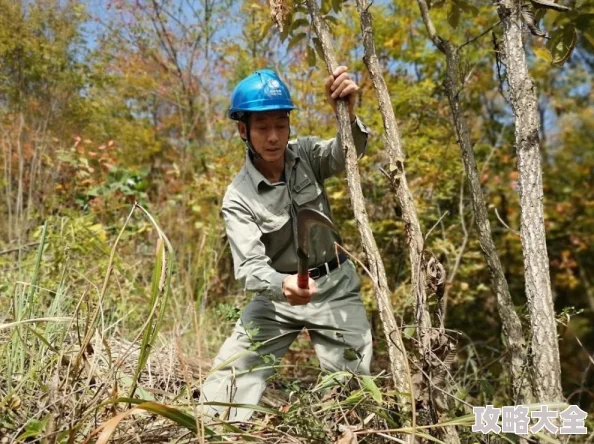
(160, 292)
(30, 321)
(180, 417)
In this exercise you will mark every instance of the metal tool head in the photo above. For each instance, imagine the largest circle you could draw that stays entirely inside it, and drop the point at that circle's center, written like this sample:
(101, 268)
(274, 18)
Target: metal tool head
(306, 219)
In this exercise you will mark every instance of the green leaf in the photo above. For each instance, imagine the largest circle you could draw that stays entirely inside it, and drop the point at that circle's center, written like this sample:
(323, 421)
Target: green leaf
(331, 20)
(393, 167)
(586, 26)
(370, 386)
(560, 19)
(298, 23)
(486, 388)
(295, 40)
(563, 45)
(539, 15)
(590, 38)
(179, 417)
(332, 380)
(326, 6)
(544, 54)
(555, 37)
(33, 428)
(408, 331)
(460, 395)
(265, 28)
(300, 7)
(285, 24)
(311, 57)
(284, 33)
(454, 15)
(354, 398)
(336, 5)
(467, 7)
(350, 354)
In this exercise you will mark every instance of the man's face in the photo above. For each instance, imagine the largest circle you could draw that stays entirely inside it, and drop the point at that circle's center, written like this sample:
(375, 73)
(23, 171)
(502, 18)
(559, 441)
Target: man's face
(269, 133)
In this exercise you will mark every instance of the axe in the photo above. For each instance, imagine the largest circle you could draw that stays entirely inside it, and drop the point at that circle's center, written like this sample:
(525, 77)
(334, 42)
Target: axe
(307, 218)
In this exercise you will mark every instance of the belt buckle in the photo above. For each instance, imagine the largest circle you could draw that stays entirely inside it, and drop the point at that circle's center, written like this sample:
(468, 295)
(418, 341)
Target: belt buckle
(314, 273)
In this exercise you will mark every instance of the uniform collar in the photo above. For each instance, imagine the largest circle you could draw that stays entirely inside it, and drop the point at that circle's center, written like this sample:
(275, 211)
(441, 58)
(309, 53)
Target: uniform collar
(258, 180)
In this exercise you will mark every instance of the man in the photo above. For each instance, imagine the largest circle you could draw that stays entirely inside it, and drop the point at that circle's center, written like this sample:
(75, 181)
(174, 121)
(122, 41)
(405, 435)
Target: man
(260, 206)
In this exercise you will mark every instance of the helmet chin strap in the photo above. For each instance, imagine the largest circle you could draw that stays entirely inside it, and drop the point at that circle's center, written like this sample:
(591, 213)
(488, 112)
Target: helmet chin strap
(248, 143)
(254, 155)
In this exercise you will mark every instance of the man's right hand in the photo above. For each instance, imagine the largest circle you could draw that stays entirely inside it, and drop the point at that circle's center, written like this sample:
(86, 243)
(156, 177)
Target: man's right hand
(296, 295)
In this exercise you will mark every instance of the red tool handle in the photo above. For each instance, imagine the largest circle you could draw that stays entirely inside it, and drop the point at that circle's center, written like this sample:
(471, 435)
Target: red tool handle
(303, 281)
(302, 271)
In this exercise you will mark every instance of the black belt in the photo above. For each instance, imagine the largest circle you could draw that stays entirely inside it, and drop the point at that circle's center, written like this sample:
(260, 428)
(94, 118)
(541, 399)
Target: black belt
(325, 268)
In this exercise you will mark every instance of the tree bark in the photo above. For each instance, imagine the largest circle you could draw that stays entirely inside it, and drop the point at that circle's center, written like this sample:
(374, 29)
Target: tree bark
(545, 349)
(414, 235)
(397, 354)
(512, 327)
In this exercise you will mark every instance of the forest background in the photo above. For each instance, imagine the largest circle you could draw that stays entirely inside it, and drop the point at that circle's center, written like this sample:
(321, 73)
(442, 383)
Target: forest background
(104, 104)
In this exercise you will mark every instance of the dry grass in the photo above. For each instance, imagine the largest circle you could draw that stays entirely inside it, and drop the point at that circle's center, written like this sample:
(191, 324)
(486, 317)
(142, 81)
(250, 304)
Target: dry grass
(72, 376)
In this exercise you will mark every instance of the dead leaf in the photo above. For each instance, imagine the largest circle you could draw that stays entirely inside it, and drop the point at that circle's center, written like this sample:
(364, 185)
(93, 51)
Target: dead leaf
(347, 436)
(109, 427)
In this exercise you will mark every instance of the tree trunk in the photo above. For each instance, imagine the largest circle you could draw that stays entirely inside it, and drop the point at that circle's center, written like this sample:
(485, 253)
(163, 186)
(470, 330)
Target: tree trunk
(512, 327)
(414, 235)
(545, 350)
(397, 354)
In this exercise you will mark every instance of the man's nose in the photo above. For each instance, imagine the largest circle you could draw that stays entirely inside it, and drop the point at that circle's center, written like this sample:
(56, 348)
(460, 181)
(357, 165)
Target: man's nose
(273, 136)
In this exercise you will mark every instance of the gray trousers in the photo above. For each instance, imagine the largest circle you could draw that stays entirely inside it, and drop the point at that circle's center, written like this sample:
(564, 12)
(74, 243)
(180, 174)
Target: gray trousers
(335, 319)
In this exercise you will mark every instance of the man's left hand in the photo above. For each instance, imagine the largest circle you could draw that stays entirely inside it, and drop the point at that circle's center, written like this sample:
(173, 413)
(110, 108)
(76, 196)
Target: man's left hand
(340, 86)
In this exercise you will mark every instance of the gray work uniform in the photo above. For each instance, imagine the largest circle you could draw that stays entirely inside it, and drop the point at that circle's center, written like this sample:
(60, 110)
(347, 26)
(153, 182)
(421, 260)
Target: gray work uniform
(260, 219)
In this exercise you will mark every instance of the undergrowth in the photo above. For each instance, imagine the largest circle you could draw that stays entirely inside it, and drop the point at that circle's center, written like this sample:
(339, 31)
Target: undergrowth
(99, 342)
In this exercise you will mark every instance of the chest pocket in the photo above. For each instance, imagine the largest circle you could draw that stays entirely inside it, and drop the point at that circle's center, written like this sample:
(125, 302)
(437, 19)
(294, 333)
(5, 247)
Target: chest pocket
(308, 193)
(274, 216)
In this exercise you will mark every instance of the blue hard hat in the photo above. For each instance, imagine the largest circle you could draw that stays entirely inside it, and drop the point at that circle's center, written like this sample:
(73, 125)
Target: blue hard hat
(261, 91)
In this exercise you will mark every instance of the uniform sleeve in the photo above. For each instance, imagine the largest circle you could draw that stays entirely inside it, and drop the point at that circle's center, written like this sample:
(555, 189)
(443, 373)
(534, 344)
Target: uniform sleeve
(327, 157)
(251, 265)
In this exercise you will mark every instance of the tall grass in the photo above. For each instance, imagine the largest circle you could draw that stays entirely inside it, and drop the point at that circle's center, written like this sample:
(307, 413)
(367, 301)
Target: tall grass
(55, 353)
(71, 377)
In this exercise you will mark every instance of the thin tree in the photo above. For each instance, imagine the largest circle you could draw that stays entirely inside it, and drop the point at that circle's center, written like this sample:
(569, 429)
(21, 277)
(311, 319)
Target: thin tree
(419, 259)
(396, 351)
(522, 95)
(415, 239)
(512, 327)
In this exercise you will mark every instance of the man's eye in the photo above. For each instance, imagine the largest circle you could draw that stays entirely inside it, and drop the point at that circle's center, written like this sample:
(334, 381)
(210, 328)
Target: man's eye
(261, 128)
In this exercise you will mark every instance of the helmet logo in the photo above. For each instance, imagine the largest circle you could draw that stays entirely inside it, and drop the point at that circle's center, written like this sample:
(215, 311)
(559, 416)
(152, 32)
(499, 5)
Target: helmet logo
(274, 88)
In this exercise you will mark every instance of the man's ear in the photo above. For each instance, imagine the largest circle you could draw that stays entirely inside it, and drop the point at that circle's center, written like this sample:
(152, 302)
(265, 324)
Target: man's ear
(242, 128)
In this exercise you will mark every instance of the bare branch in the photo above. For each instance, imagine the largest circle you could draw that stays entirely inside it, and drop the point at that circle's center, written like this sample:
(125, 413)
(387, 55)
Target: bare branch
(435, 38)
(504, 224)
(481, 35)
(435, 225)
